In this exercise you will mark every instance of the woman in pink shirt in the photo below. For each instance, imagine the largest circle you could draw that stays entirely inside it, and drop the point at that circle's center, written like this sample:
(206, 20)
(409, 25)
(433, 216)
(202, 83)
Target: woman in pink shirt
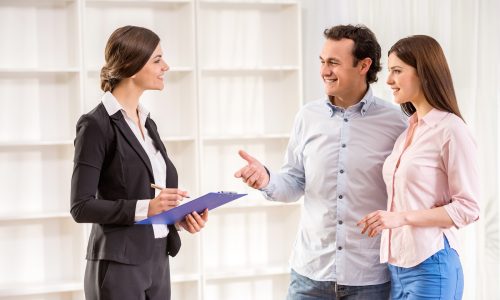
(431, 177)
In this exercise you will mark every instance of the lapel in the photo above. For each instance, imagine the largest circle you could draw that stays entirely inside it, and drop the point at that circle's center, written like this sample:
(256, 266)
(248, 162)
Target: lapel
(129, 136)
(153, 133)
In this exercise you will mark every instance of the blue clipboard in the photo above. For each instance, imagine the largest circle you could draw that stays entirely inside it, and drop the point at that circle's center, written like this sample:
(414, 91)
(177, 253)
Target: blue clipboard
(174, 215)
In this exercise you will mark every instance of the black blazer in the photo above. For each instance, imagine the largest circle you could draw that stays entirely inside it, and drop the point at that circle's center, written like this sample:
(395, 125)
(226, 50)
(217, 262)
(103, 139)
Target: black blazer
(111, 172)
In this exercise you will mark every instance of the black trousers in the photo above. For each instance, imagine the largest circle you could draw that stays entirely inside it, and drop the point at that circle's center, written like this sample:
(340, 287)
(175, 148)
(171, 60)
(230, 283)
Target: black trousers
(110, 280)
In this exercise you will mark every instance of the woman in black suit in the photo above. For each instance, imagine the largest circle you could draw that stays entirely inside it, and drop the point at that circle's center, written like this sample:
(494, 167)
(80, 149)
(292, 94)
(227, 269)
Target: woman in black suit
(118, 154)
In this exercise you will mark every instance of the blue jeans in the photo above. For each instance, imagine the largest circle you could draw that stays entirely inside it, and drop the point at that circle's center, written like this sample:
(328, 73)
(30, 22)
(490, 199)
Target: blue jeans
(303, 288)
(438, 277)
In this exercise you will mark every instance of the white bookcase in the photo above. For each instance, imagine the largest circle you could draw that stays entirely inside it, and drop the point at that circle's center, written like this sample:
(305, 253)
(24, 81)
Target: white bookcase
(234, 83)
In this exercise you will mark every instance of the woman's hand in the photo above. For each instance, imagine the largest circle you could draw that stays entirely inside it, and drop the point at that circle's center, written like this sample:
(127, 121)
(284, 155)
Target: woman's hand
(375, 222)
(194, 222)
(166, 199)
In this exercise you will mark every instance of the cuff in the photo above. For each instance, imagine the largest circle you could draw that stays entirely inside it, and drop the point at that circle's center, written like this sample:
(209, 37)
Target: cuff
(461, 215)
(141, 209)
(269, 189)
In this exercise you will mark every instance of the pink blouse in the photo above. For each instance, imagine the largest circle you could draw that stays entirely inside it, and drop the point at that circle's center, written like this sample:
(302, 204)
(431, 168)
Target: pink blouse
(433, 164)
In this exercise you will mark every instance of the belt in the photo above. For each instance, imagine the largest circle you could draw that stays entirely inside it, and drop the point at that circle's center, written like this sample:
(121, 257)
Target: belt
(340, 290)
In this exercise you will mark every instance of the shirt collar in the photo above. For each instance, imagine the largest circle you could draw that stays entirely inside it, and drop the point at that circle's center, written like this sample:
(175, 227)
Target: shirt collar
(433, 117)
(112, 106)
(360, 107)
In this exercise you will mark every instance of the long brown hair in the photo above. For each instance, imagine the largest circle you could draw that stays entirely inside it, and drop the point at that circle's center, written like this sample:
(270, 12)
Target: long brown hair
(127, 51)
(425, 54)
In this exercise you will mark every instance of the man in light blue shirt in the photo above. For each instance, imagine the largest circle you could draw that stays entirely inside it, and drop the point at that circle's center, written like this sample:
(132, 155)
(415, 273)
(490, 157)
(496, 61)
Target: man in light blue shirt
(334, 159)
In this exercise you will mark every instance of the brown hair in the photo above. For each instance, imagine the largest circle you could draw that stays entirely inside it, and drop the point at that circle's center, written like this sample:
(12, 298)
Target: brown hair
(127, 51)
(365, 45)
(425, 54)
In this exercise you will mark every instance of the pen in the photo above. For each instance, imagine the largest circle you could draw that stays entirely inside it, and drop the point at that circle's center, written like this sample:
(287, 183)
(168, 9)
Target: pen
(158, 187)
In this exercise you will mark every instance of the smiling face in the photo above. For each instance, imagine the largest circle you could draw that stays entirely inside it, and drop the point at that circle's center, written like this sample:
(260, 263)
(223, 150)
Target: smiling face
(150, 77)
(404, 81)
(342, 79)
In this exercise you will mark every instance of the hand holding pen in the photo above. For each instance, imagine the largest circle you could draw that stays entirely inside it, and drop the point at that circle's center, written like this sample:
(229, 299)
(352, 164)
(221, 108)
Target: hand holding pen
(168, 198)
(193, 222)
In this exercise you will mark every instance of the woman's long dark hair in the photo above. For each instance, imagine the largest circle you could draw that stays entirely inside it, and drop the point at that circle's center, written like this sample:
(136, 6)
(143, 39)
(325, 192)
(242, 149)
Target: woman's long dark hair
(425, 54)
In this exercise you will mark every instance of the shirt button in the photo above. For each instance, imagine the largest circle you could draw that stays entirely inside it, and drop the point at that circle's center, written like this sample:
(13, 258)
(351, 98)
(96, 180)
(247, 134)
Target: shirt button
(341, 171)
(343, 145)
(340, 222)
(340, 248)
(345, 120)
(340, 197)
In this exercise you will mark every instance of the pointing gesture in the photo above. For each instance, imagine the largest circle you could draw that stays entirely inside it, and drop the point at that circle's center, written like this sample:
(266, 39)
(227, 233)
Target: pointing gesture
(253, 174)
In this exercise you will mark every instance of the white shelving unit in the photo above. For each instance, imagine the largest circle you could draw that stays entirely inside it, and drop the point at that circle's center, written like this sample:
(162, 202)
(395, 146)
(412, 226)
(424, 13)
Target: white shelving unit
(234, 83)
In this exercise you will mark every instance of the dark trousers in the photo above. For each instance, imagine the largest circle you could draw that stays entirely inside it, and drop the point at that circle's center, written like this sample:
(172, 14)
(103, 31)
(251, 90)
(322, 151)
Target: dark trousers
(110, 280)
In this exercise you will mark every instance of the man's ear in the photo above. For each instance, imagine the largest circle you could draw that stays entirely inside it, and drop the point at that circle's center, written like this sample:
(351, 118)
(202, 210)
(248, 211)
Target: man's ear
(364, 65)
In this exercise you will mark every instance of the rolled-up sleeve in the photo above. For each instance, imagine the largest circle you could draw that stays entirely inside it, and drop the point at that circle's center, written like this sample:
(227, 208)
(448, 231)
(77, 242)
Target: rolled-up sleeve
(460, 159)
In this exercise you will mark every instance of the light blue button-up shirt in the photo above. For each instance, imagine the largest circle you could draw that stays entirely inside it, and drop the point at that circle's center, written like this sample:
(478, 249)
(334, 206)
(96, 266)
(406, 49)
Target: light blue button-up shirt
(334, 159)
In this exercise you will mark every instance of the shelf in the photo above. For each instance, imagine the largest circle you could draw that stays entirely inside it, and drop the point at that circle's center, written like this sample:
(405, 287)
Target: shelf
(33, 144)
(177, 40)
(24, 71)
(255, 104)
(185, 267)
(70, 286)
(253, 272)
(171, 70)
(221, 161)
(188, 290)
(234, 83)
(173, 109)
(248, 69)
(178, 139)
(135, 2)
(247, 204)
(43, 35)
(51, 252)
(34, 217)
(38, 3)
(184, 278)
(265, 287)
(242, 4)
(26, 289)
(243, 138)
(228, 41)
(255, 201)
(247, 240)
(182, 154)
(36, 179)
(42, 106)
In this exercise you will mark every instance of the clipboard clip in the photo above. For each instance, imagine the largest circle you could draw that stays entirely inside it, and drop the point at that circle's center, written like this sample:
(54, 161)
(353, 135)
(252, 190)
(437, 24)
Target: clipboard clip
(226, 192)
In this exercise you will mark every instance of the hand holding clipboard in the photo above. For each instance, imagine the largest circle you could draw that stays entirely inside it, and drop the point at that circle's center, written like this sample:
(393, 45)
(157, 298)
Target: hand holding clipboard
(208, 201)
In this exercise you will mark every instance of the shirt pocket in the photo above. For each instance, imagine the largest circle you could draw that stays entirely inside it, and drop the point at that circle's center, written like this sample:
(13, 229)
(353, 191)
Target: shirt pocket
(422, 185)
(423, 170)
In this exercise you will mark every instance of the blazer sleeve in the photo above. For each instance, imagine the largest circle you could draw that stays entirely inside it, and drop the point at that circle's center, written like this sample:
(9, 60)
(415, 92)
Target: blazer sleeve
(90, 153)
